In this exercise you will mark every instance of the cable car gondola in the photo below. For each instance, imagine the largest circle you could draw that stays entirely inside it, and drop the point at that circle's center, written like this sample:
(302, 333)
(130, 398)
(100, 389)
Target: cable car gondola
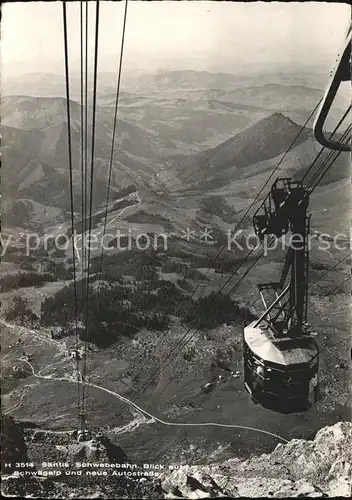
(280, 355)
(280, 373)
(281, 358)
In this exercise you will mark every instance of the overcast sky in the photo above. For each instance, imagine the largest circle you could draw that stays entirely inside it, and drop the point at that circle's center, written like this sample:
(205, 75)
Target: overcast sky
(215, 36)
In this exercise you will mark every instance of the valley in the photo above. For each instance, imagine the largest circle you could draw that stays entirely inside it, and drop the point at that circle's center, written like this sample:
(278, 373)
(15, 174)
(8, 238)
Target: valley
(193, 150)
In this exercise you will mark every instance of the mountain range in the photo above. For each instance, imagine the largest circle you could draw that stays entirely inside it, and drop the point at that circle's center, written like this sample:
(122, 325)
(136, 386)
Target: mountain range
(181, 137)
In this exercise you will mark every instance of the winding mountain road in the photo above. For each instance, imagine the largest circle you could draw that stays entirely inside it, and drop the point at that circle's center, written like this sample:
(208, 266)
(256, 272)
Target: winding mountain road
(141, 411)
(146, 413)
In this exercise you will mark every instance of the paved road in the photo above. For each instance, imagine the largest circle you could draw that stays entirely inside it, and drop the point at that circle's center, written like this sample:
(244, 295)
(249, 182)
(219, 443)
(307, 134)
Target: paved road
(133, 405)
(146, 413)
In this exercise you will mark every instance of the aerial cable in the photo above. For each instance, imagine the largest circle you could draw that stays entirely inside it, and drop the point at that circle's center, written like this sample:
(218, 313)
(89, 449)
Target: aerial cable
(91, 195)
(85, 187)
(181, 344)
(184, 340)
(337, 153)
(316, 282)
(110, 171)
(248, 210)
(91, 192)
(325, 166)
(258, 257)
(147, 383)
(311, 286)
(325, 274)
(324, 147)
(332, 153)
(86, 138)
(261, 254)
(82, 154)
(67, 80)
(265, 184)
(331, 269)
(113, 137)
(339, 285)
(316, 181)
(234, 288)
(164, 366)
(236, 228)
(252, 204)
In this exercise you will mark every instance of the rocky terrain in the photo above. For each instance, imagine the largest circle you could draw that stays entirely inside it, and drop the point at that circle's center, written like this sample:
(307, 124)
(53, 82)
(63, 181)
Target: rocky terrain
(317, 468)
(320, 467)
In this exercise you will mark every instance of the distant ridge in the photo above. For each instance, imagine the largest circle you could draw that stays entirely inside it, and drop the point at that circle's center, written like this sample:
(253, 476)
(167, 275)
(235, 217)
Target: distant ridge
(264, 140)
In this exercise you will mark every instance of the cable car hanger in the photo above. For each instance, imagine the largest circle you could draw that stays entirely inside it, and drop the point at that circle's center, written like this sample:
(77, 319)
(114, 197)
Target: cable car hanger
(341, 74)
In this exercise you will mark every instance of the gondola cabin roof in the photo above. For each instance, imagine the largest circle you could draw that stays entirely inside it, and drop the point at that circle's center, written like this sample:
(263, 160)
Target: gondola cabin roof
(285, 351)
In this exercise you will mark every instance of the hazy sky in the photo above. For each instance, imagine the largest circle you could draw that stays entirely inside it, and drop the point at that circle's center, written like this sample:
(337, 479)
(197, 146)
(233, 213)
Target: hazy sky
(234, 37)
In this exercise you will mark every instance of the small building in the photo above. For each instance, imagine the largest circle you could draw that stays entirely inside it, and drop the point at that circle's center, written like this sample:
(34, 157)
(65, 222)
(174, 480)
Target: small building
(75, 354)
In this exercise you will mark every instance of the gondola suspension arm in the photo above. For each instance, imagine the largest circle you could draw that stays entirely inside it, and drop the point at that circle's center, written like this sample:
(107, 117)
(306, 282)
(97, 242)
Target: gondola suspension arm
(341, 74)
